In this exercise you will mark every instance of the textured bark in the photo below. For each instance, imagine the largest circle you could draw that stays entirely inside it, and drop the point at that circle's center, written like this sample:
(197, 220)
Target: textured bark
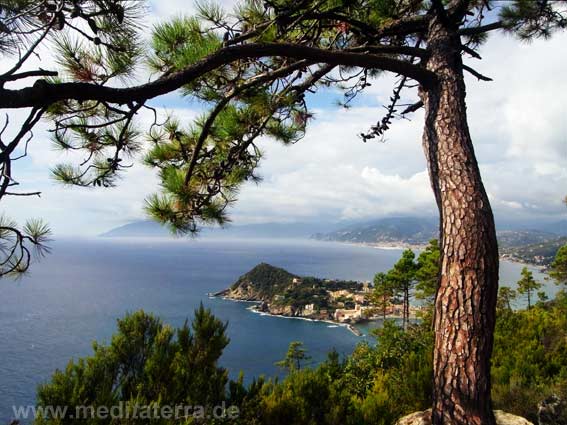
(465, 305)
(406, 307)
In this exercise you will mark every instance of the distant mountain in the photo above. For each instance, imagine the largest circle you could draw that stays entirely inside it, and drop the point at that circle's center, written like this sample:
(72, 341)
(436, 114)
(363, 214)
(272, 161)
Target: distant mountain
(529, 246)
(264, 230)
(391, 230)
(534, 246)
(138, 229)
(557, 227)
(517, 238)
(541, 254)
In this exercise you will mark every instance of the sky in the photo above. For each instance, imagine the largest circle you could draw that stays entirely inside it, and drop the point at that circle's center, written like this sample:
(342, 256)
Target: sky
(518, 124)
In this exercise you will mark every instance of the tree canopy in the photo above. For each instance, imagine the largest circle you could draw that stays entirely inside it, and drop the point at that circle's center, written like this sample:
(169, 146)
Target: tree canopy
(527, 285)
(296, 354)
(558, 269)
(147, 363)
(376, 384)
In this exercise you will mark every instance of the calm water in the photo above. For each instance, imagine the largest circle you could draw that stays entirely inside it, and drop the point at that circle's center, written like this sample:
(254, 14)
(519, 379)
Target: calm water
(76, 294)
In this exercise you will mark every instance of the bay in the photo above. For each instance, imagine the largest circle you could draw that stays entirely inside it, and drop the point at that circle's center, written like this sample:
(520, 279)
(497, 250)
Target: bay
(75, 295)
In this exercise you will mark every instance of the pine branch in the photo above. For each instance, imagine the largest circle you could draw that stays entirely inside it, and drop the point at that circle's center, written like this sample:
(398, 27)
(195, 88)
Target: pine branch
(476, 73)
(481, 29)
(43, 93)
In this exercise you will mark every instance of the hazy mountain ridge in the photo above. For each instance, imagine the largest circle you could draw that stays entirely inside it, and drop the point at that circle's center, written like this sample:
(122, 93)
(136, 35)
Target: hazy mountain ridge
(147, 228)
(517, 238)
(541, 254)
(534, 246)
(403, 230)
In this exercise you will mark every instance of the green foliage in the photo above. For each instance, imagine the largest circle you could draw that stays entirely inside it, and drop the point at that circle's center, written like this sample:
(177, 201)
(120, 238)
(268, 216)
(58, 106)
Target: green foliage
(302, 398)
(403, 277)
(527, 285)
(403, 274)
(558, 269)
(267, 279)
(275, 286)
(409, 277)
(383, 293)
(295, 355)
(427, 273)
(179, 43)
(374, 385)
(529, 19)
(506, 298)
(18, 246)
(393, 378)
(147, 363)
(529, 362)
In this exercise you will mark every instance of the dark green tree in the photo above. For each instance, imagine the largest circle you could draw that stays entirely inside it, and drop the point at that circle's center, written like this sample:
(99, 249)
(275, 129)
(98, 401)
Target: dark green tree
(254, 68)
(527, 285)
(558, 269)
(506, 297)
(146, 363)
(402, 278)
(542, 298)
(427, 273)
(294, 357)
(383, 294)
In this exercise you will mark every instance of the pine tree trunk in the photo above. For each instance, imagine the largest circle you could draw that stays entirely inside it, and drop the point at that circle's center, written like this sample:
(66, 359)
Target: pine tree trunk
(406, 307)
(465, 305)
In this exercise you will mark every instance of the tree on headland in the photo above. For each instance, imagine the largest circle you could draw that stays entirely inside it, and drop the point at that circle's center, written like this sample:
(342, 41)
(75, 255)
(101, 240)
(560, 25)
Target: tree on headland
(427, 272)
(542, 297)
(527, 285)
(506, 297)
(383, 294)
(558, 268)
(254, 69)
(402, 278)
(147, 363)
(294, 357)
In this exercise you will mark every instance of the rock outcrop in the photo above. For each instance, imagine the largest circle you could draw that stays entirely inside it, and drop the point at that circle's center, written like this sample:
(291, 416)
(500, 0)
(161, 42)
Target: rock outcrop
(424, 418)
(552, 411)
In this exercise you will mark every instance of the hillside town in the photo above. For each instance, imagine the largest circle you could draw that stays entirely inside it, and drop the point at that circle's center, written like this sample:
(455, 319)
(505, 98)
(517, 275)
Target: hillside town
(280, 293)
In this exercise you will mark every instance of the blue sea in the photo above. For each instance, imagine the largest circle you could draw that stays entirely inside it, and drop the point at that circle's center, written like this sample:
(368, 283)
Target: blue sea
(75, 295)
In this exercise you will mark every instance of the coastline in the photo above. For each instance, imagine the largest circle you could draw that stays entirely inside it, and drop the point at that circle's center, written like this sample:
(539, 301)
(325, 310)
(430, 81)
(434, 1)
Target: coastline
(382, 245)
(254, 310)
(402, 246)
(349, 326)
(541, 268)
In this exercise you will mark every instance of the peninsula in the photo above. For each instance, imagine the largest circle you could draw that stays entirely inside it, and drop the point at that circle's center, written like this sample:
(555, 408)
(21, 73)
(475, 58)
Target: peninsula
(278, 292)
